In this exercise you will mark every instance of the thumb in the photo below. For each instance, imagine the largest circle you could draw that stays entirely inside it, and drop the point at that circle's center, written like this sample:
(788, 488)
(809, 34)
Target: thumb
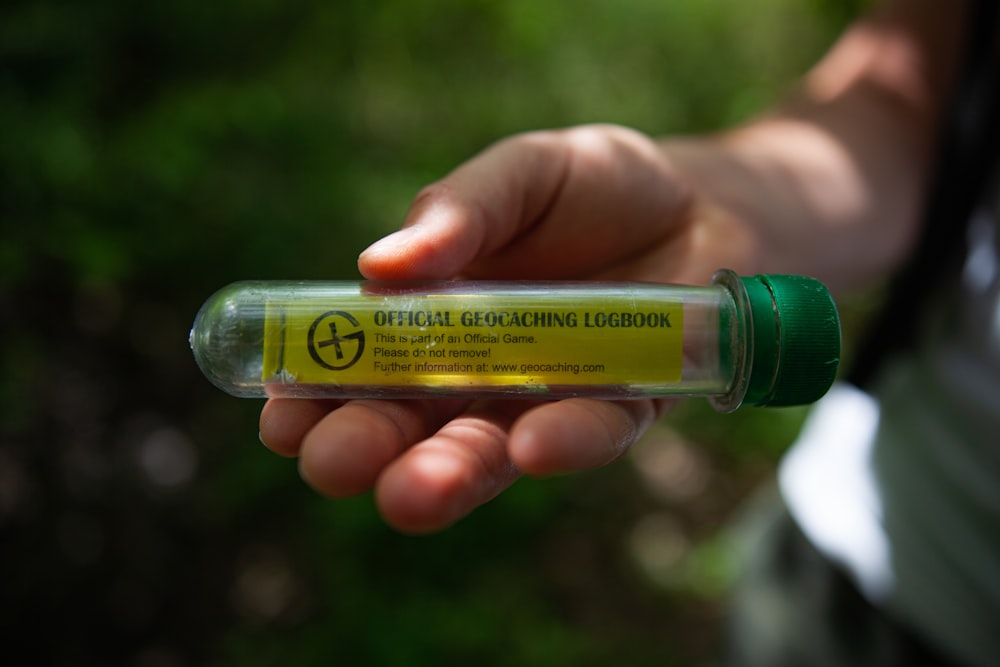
(477, 209)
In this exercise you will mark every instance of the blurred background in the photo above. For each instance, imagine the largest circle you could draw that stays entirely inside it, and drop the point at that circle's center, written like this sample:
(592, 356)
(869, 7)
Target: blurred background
(151, 153)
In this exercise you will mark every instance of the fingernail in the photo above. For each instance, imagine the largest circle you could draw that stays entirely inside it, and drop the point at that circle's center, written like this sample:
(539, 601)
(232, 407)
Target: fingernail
(392, 243)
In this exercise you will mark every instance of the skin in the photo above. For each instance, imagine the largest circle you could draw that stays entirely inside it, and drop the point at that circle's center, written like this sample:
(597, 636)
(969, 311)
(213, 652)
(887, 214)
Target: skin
(829, 185)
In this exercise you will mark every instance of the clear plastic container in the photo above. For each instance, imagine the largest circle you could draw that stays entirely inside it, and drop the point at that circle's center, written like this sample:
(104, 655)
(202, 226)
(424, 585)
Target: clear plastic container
(764, 340)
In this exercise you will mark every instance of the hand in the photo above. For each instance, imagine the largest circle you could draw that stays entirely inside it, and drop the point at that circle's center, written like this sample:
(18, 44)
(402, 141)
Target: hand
(595, 202)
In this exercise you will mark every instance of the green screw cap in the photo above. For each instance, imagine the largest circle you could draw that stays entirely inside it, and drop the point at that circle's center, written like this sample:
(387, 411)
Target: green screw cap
(796, 340)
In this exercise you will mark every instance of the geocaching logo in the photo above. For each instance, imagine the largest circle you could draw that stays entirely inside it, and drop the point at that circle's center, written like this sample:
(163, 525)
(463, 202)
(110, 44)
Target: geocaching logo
(335, 340)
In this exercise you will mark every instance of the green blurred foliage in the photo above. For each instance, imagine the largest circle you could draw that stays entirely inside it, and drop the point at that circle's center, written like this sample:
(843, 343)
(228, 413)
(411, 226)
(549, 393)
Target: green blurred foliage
(152, 152)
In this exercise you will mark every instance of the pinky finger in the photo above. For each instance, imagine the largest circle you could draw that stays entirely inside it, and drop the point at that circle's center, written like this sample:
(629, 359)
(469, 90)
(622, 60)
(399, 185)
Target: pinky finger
(579, 434)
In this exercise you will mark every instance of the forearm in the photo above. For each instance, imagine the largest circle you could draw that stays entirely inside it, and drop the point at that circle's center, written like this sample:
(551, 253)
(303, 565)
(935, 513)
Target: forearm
(831, 184)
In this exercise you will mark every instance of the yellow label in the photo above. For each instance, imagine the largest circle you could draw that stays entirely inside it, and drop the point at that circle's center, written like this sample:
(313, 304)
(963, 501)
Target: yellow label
(448, 341)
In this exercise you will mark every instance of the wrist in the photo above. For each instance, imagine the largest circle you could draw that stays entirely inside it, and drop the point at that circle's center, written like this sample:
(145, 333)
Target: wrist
(725, 204)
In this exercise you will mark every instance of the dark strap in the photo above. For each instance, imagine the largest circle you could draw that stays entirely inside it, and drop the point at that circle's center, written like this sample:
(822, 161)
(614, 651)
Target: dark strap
(969, 143)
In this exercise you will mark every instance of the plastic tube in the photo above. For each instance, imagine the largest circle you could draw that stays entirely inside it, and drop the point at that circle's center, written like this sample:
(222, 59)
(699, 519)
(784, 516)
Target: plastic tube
(762, 340)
